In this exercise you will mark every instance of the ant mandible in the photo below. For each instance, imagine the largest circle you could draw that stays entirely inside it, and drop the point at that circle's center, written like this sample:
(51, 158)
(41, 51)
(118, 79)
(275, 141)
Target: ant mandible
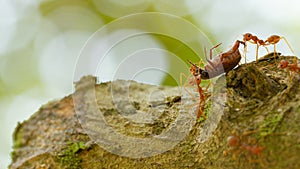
(271, 40)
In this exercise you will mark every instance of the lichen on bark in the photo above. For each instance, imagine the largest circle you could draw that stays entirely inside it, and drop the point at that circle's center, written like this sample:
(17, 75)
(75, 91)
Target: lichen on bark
(257, 96)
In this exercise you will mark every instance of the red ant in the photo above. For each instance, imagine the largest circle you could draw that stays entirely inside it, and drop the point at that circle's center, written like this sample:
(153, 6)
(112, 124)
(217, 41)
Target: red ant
(290, 67)
(224, 62)
(272, 40)
(202, 97)
(239, 145)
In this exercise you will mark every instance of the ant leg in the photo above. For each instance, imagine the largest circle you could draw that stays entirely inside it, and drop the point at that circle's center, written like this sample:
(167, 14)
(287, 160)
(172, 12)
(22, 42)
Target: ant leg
(237, 153)
(275, 52)
(262, 161)
(259, 159)
(200, 63)
(251, 160)
(207, 95)
(297, 67)
(266, 49)
(257, 46)
(207, 87)
(245, 51)
(246, 133)
(290, 75)
(286, 41)
(295, 61)
(205, 54)
(226, 152)
(210, 53)
(208, 60)
(186, 83)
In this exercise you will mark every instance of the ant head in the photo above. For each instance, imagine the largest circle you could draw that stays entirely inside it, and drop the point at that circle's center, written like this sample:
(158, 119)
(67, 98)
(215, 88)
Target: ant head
(194, 68)
(233, 141)
(283, 64)
(198, 72)
(247, 37)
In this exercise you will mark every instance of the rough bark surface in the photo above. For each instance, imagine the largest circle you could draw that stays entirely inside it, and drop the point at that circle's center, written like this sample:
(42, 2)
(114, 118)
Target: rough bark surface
(256, 97)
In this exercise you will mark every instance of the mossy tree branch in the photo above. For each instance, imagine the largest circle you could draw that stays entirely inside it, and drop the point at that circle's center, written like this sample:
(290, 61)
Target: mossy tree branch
(258, 97)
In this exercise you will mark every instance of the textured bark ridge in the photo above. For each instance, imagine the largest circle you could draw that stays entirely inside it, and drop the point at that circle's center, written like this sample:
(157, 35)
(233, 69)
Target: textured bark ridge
(125, 124)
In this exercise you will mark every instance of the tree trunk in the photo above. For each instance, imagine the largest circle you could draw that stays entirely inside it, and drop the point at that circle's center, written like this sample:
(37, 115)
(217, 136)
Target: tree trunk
(125, 124)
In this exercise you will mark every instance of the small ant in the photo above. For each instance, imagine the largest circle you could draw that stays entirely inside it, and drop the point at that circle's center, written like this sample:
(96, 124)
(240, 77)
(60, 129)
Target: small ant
(224, 62)
(272, 40)
(290, 67)
(202, 97)
(238, 145)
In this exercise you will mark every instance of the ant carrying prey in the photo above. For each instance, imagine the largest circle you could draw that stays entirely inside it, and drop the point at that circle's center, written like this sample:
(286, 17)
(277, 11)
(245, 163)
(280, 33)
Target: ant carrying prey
(271, 40)
(224, 62)
(202, 96)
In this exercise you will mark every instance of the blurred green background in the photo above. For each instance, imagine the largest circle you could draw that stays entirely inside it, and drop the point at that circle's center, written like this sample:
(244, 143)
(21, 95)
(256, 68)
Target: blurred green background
(41, 41)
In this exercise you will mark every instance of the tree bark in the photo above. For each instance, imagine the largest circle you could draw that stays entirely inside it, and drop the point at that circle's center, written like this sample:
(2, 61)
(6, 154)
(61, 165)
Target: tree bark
(125, 124)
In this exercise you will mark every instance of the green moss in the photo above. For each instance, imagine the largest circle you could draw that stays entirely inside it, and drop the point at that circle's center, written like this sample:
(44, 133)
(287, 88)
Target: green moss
(18, 140)
(69, 157)
(136, 105)
(17, 136)
(172, 100)
(206, 112)
(269, 124)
